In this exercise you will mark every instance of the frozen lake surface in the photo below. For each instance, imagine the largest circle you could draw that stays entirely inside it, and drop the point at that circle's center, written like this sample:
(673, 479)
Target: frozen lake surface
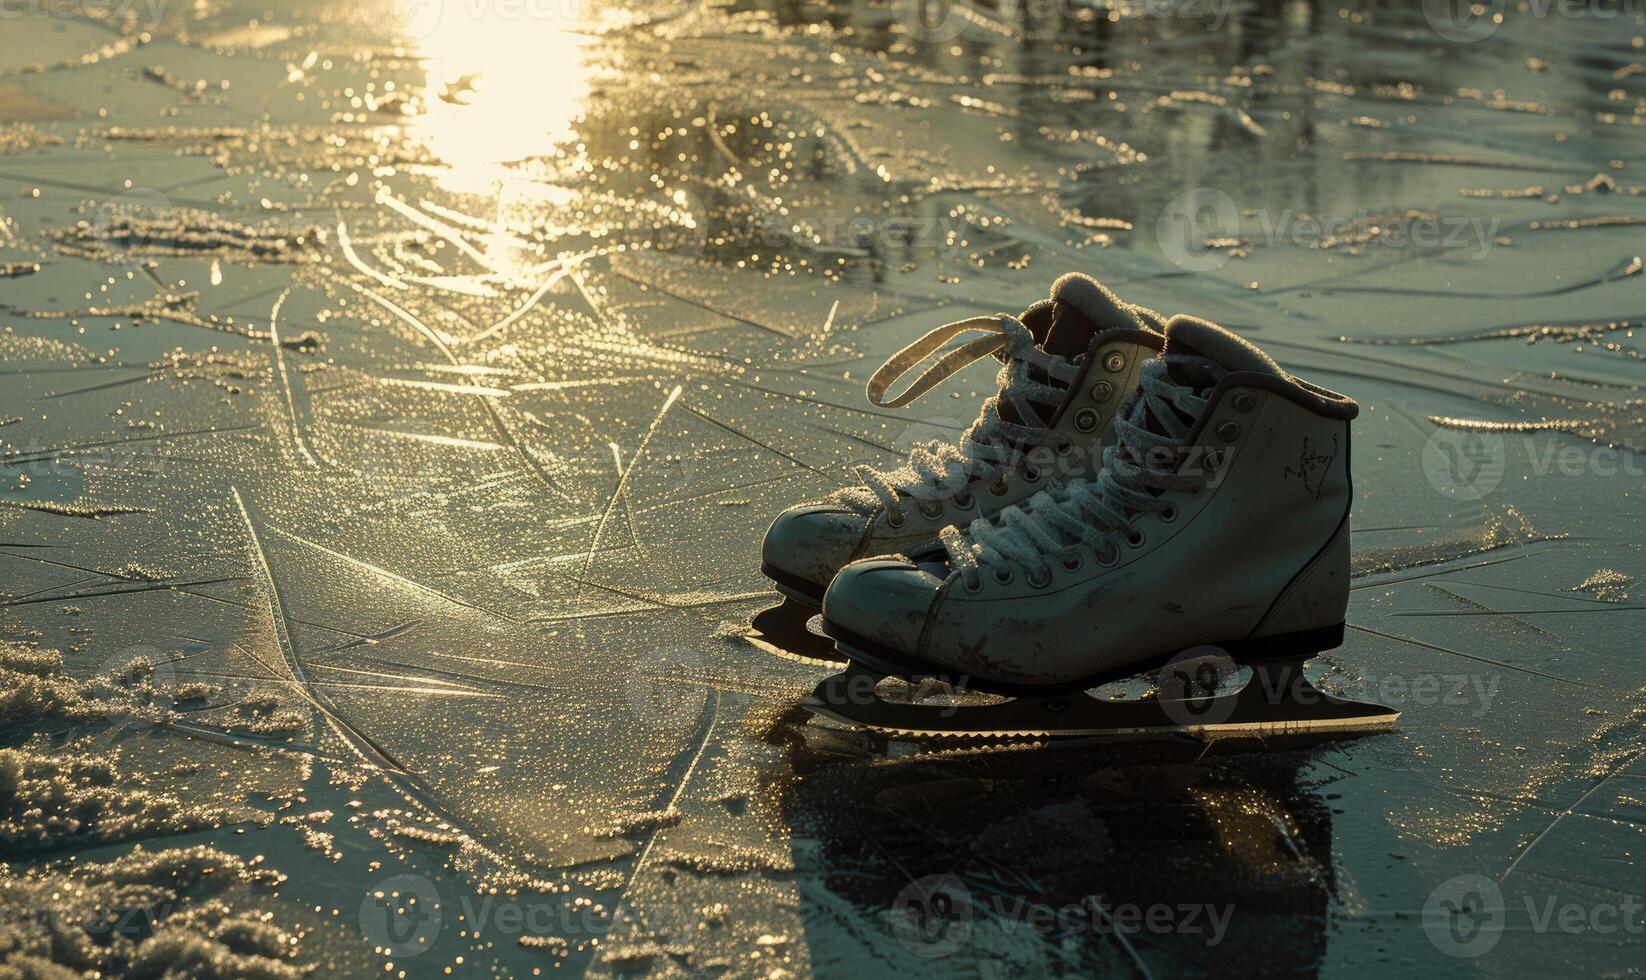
(394, 400)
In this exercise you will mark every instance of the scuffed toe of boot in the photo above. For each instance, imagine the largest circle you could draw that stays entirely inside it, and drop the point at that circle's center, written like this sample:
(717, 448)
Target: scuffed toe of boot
(807, 545)
(882, 600)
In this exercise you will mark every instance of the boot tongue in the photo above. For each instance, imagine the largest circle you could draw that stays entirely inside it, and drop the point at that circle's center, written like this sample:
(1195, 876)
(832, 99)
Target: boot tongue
(1189, 338)
(1199, 354)
(1081, 308)
(1066, 323)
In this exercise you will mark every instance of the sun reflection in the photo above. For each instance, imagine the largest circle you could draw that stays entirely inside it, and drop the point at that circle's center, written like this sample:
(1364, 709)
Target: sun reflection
(506, 82)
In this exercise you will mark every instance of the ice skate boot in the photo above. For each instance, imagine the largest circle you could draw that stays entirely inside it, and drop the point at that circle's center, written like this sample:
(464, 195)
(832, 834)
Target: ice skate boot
(1070, 362)
(1217, 527)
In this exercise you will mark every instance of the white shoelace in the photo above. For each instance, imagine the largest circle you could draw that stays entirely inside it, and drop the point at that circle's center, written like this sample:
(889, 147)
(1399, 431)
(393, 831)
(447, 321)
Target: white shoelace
(1087, 509)
(939, 469)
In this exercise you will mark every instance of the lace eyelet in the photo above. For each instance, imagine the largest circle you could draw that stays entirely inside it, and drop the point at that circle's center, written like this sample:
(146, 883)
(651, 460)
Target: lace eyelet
(963, 500)
(1214, 460)
(999, 487)
(1109, 555)
(1031, 472)
(1102, 392)
(896, 520)
(1244, 400)
(1136, 538)
(1073, 564)
(1114, 362)
(1040, 580)
(1228, 432)
(1003, 575)
(1085, 420)
(1168, 513)
(974, 586)
(934, 511)
(1066, 449)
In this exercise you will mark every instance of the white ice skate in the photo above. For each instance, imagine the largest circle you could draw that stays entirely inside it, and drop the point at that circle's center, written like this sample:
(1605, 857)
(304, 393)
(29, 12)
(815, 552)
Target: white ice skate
(1070, 362)
(1219, 523)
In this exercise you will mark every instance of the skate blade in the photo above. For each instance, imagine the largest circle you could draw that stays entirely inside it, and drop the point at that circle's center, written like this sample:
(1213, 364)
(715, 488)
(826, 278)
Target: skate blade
(1254, 711)
(789, 630)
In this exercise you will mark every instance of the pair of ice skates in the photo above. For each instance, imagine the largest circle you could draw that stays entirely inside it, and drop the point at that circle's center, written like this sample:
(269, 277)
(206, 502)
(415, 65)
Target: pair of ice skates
(1140, 494)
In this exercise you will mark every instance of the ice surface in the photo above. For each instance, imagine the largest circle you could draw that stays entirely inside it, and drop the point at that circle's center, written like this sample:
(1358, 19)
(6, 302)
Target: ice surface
(393, 398)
